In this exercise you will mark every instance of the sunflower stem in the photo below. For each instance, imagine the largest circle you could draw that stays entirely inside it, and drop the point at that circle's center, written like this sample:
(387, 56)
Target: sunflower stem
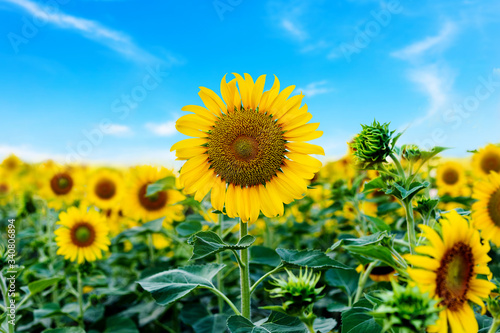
(410, 224)
(220, 261)
(151, 249)
(80, 297)
(363, 279)
(244, 275)
(401, 171)
(494, 325)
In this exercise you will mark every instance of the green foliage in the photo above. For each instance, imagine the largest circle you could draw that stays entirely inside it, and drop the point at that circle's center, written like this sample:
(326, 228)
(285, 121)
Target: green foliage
(169, 286)
(208, 242)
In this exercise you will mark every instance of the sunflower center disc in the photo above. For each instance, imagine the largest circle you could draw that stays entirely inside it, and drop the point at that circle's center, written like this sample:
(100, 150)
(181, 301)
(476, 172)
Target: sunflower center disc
(61, 183)
(153, 202)
(105, 189)
(83, 234)
(454, 275)
(246, 147)
(494, 207)
(450, 176)
(4, 188)
(490, 162)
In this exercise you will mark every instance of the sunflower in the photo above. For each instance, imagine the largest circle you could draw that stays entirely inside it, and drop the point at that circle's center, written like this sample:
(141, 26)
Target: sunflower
(61, 185)
(162, 204)
(451, 179)
(83, 235)
(486, 211)
(105, 188)
(448, 269)
(487, 159)
(12, 164)
(248, 148)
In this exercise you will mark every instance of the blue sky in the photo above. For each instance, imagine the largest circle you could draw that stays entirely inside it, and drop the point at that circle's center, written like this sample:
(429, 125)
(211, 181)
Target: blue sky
(104, 81)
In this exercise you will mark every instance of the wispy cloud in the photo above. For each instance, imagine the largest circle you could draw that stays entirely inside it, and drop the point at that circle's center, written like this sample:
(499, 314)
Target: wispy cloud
(316, 88)
(293, 29)
(118, 130)
(115, 40)
(162, 129)
(29, 154)
(417, 49)
(436, 84)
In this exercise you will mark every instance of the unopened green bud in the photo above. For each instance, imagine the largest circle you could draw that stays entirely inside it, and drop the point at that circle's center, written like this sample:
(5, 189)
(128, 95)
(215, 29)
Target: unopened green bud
(411, 153)
(373, 145)
(406, 310)
(298, 292)
(494, 306)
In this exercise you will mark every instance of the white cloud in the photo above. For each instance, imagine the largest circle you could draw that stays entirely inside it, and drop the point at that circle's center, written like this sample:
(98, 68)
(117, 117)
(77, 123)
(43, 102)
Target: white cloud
(436, 84)
(316, 88)
(93, 30)
(118, 130)
(293, 29)
(417, 49)
(162, 129)
(29, 154)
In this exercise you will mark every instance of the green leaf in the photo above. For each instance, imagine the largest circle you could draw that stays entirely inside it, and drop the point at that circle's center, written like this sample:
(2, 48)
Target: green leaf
(188, 228)
(160, 185)
(357, 319)
(337, 307)
(373, 252)
(414, 188)
(309, 258)
(345, 279)
(211, 324)
(169, 286)
(65, 330)
(427, 155)
(208, 242)
(48, 310)
(375, 184)
(324, 325)
(118, 324)
(40, 285)
(377, 224)
(262, 255)
(276, 323)
(146, 228)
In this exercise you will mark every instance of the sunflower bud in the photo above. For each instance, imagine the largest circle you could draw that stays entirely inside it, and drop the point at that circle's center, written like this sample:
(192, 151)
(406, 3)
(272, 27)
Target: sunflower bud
(406, 310)
(298, 292)
(411, 153)
(373, 144)
(494, 305)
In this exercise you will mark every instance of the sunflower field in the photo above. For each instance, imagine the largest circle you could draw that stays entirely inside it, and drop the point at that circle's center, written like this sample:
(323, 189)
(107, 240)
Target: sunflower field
(253, 233)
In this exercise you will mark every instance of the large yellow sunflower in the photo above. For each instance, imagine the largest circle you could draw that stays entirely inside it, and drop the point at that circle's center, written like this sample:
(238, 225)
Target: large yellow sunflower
(448, 268)
(140, 207)
(486, 211)
(83, 235)
(61, 185)
(451, 179)
(248, 148)
(105, 189)
(487, 159)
